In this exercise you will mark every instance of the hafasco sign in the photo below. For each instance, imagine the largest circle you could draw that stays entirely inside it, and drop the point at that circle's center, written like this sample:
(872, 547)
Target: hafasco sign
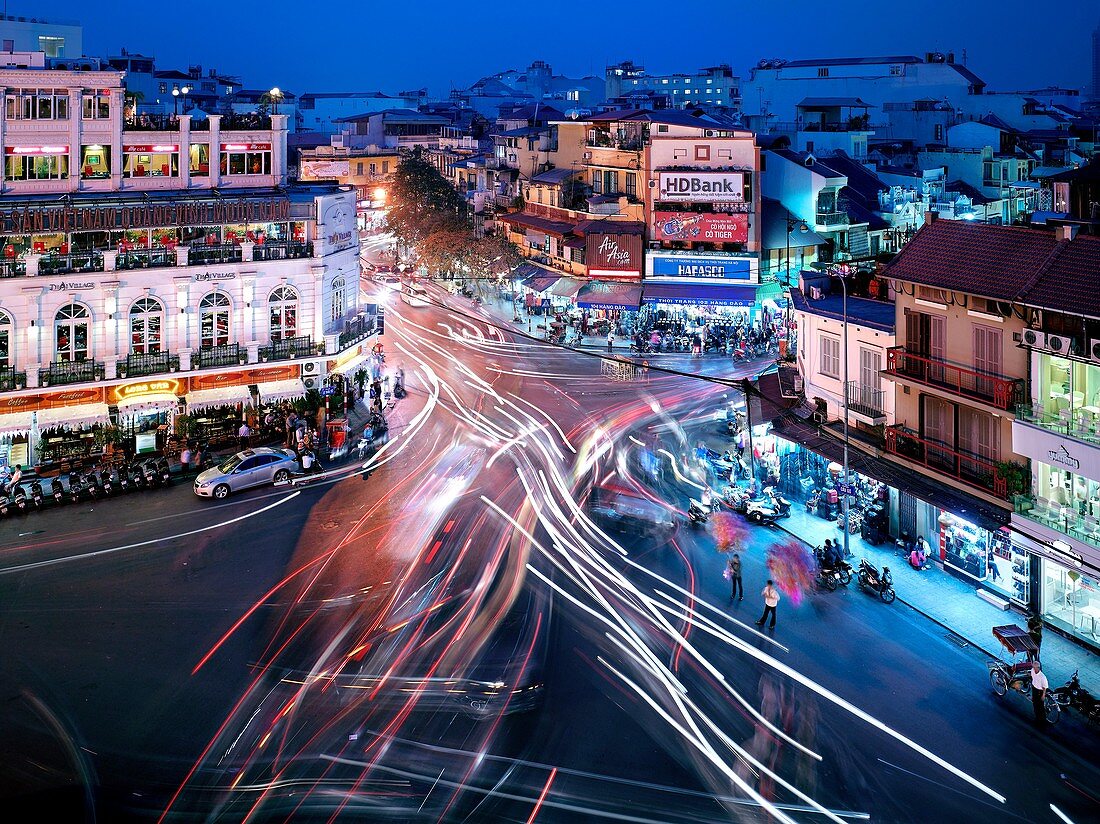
(701, 227)
(696, 266)
(134, 390)
(613, 253)
(701, 187)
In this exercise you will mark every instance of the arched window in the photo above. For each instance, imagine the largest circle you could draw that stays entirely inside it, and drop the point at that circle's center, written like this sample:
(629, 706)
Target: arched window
(337, 299)
(214, 311)
(146, 323)
(282, 306)
(7, 337)
(70, 326)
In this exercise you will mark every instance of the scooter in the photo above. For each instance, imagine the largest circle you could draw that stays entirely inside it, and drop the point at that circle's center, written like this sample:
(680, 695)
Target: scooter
(399, 390)
(149, 472)
(869, 577)
(761, 512)
(841, 567)
(57, 490)
(697, 513)
(164, 471)
(19, 500)
(36, 494)
(105, 482)
(75, 483)
(781, 505)
(1074, 696)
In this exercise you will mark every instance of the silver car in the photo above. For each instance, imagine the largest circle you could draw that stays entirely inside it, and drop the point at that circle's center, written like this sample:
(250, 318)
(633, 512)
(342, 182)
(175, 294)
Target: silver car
(252, 467)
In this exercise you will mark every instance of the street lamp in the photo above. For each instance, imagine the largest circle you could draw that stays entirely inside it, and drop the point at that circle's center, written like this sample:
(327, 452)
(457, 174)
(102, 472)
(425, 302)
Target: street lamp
(802, 229)
(276, 95)
(176, 92)
(840, 272)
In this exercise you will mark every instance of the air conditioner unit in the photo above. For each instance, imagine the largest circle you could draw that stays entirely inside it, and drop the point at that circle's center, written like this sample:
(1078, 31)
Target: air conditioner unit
(1034, 338)
(309, 367)
(708, 133)
(311, 383)
(1059, 343)
(1094, 350)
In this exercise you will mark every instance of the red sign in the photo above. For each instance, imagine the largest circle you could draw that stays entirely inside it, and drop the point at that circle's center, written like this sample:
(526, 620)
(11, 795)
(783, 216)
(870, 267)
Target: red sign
(246, 147)
(167, 147)
(36, 150)
(606, 252)
(49, 400)
(701, 227)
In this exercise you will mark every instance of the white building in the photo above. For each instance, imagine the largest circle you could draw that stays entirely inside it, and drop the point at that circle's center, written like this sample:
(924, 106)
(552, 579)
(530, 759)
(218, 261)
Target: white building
(29, 34)
(152, 266)
(715, 86)
(320, 111)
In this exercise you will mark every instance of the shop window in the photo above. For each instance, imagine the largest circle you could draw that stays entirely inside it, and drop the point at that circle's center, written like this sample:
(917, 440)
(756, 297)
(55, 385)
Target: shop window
(146, 325)
(830, 357)
(37, 104)
(283, 313)
(97, 105)
(199, 159)
(95, 162)
(338, 309)
(247, 163)
(214, 312)
(147, 161)
(37, 167)
(1070, 601)
(71, 324)
(6, 337)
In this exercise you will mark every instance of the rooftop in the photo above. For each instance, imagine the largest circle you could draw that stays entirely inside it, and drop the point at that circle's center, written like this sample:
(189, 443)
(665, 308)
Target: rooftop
(873, 314)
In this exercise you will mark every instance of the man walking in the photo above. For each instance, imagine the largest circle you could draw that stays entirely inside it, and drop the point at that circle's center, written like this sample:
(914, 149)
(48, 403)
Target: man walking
(737, 589)
(1039, 687)
(771, 601)
(244, 435)
(610, 339)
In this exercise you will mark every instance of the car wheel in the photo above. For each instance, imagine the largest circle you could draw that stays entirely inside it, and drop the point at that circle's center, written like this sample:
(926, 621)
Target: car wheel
(281, 477)
(221, 492)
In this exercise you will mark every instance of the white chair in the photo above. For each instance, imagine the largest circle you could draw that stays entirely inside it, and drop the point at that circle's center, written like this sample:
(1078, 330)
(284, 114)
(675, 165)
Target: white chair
(1041, 510)
(1091, 526)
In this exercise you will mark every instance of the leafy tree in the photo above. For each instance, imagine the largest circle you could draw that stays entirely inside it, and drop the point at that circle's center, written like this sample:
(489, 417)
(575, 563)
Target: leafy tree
(422, 202)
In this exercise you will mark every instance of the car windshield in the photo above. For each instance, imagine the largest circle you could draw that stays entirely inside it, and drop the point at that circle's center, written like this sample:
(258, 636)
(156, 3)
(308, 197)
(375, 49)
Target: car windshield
(229, 464)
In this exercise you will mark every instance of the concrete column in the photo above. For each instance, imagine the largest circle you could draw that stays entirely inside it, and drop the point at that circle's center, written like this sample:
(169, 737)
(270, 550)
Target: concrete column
(32, 377)
(110, 368)
(110, 260)
(32, 264)
(278, 147)
(215, 150)
(185, 150)
(247, 248)
(185, 360)
(182, 253)
(76, 122)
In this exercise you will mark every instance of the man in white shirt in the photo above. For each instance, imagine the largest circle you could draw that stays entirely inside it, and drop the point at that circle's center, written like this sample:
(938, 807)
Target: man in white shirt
(771, 601)
(244, 435)
(1039, 687)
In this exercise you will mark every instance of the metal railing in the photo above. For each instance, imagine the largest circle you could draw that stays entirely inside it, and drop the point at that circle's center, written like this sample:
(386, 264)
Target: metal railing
(296, 347)
(282, 250)
(967, 467)
(12, 267)
(866, 400)
(223, 253)
(146, 259)
(994, 390)
(226, 354)
(10, 379)
(60, 373)
(245, 122)
(1059, 517)
(356, 329)
(140, 364)
(54, 264)
(831, 219)
(1081, 424)
(152, 123)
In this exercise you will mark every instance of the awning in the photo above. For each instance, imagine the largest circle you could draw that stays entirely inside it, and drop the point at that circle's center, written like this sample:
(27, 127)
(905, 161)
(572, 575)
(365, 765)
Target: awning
(15, 423)
(699, 294)
(540, 283)
(154, 402)
(566, 287)
(599, 294)
(81, 413)
(221, 396)
(281, 390)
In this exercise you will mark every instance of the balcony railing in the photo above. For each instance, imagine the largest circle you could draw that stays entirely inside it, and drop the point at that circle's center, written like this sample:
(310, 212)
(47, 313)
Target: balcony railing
(204, 255)
(10, 379)
(866, 400)
(153, 123)
(12, 267)
(1082, 424)
(282, 250)
(831, 219)
(356, 329)
(245, 122)
(994, 390)
(138, 365)
(146, 259)
(297, 347)
(1064, 519)
(54, 264)
(967, 467)
(60, 373)
(226, 354)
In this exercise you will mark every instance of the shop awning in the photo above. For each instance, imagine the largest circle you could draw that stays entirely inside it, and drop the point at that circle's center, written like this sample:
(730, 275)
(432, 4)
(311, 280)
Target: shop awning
(540, 283)
(154, 402)
(699, 294)
(599, 294)
(281, 390)
(16, 423)
(81, 413)
(566, 287)
(221, 396)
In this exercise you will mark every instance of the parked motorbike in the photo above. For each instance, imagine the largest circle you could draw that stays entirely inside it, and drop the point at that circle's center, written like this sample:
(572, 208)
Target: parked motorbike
(761, 512)
(780, 504)
(1073, 696)
(869, 578)
(57, 490)
(19, 500)
(35, 497)
(105, 481)
(149, 472)
(164, 471)
(75, 485)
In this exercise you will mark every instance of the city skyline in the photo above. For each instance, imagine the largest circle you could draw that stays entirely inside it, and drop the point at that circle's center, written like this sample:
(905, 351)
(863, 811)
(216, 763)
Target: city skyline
(438, 59)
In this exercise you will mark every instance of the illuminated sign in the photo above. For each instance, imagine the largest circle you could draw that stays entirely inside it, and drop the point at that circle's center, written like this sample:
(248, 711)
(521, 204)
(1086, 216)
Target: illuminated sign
(165, 148)
(72, 286)
(206, 276)
(36, 150)
(709, 228)
(614, 254)
(701, 187)
(700, 266)
(157, 387)
(246, 147)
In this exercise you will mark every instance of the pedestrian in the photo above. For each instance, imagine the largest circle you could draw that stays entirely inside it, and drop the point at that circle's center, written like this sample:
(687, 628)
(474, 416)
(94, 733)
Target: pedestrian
(610, 339)
(737, 589)
(291, 426)
(185, 458)
(244, 435)
(771, 601)
(1039, 687)
(1035, 630)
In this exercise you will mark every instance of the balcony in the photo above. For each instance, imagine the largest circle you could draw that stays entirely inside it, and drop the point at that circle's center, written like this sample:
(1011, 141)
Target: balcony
(1081, 424)
(992, 390)
(60, 373)
(831, 219)
(54, 264)
(282, 250)
(10, 379)
(226, 354)
(205, 255)
(1064, 520)
(973, 470)
(288, 348)
(139, 365)
(866, 403)
(247, 122)
(357, 329)
(153, 123)
(156, 258)
(12, 267)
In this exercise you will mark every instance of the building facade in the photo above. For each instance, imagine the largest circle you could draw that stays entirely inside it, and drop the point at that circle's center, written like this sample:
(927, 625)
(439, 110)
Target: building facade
(715, 86)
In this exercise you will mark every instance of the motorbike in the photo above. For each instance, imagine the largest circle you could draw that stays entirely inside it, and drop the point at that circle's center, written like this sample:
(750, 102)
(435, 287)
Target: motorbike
(36, 495)
(697, 513)
(841, 567)
(105, 481)
(811, 502)
(1072, 695)
(780, 504)
(761, 512)
(164, 471)
(827, 577)
(639, 349)
(75, 485)
(399, 390)
(149, 472)
(870, 578)
(19, 500)
(57, 490)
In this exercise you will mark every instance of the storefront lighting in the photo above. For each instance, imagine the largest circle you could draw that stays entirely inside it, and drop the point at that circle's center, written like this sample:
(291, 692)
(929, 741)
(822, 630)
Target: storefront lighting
(1066, 551)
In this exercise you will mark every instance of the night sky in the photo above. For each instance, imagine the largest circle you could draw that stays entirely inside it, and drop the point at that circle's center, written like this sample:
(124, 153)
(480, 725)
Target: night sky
(366, 45)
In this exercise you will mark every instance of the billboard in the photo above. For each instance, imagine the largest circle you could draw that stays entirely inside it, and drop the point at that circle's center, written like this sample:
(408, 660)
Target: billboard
(325, 169)
(701, 227)
(701, 266)
(613, 253)
(701, 187)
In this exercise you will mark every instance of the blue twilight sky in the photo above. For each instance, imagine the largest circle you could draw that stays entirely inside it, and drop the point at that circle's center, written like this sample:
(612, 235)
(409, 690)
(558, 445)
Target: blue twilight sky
(399, 44)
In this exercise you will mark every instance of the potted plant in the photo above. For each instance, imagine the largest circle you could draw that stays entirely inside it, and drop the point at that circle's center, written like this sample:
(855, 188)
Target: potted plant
(1015, 475)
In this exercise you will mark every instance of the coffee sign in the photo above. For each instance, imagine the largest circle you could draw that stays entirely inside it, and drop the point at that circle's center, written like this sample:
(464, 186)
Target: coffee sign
(701, 187)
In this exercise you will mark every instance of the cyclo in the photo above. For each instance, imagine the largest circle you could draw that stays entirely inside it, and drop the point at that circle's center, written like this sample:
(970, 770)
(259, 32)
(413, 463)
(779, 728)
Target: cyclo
(1015, 673)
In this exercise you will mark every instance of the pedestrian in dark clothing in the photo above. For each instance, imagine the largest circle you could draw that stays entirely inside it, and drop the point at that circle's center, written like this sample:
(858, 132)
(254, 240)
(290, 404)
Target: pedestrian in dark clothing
(737, 589)
(1039, 687)
(771, 601)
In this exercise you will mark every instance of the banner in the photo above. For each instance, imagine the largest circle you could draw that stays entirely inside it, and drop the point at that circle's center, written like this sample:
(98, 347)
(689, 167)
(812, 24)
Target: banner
(700, 266)
(710, 228)
(701, 187)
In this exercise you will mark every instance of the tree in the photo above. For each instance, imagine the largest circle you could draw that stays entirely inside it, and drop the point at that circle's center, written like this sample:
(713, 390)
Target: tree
(422, 202)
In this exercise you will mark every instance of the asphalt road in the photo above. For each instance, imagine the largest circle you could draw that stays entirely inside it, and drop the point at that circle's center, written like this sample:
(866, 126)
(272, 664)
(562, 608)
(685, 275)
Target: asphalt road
(446, 632)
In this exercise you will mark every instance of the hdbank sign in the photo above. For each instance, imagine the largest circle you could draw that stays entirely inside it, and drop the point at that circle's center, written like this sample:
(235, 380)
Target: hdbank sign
(700, 266)
(701, 187)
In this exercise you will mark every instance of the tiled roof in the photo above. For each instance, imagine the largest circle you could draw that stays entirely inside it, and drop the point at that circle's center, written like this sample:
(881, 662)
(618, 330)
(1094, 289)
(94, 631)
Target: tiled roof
(539, 224)
(1027, 266)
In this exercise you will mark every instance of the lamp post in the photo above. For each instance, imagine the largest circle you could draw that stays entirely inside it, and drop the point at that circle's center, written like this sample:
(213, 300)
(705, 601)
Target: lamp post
(276, 95)
(802, 229)
(840, 272)
(177, 92)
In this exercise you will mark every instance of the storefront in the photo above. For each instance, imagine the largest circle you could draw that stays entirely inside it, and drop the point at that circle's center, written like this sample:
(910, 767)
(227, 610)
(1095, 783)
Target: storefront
(615, 304)
(216, 412)
(146, 412)
(1069, 600)
(69, 428)
(15, 431)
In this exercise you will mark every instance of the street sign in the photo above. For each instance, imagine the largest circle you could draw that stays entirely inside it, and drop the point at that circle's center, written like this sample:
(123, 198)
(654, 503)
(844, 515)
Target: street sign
(845, 489)
(327, 390)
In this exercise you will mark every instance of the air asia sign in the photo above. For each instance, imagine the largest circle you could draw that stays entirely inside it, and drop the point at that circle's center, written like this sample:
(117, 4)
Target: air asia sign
(614, 254)
(28, 219)
(699, 227)
(700, 266)
(701, 187)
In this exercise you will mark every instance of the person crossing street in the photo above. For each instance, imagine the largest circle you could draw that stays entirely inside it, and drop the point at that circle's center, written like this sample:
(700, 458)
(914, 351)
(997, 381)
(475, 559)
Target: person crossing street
(771, 601)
